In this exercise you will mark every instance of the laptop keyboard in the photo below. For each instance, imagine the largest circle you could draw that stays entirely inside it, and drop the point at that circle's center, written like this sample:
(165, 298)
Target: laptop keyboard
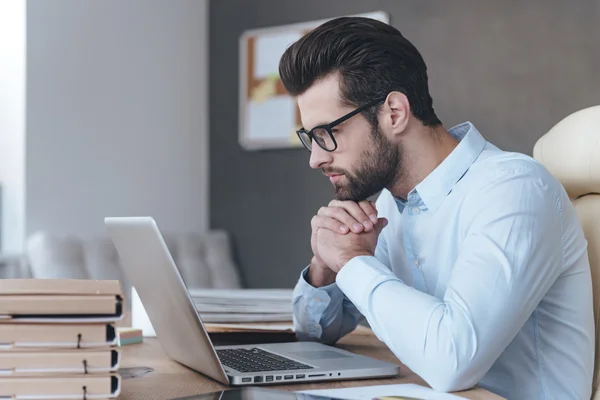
(257, 360)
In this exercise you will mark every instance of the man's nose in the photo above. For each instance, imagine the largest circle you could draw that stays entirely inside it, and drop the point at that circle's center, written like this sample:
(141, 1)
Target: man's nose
(319, 158)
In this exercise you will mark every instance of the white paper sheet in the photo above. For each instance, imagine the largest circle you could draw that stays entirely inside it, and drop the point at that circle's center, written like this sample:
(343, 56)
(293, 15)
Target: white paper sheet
(271, 119)
(268, 51)
(239, 317)
(254, 327)
(243, 305)
(371, 392)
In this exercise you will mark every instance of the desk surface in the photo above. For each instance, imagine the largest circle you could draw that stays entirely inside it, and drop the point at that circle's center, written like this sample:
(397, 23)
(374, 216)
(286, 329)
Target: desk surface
(170, 379)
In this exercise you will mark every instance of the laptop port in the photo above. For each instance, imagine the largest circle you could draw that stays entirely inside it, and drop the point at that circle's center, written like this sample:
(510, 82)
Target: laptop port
(269, 378)
(278, 378)
(258, 379)
(301, 376)
(315, 375)
(244, 380)
(288, 377)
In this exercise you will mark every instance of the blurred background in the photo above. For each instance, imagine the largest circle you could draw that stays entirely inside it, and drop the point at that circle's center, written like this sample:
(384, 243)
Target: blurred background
(119, 108)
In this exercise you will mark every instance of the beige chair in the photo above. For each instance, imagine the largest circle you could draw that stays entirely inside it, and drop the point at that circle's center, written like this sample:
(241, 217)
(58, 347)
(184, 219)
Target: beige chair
(204, 260)
(571, 152)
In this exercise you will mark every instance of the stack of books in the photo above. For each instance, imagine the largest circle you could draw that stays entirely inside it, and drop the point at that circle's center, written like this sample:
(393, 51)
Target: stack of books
(58, 339)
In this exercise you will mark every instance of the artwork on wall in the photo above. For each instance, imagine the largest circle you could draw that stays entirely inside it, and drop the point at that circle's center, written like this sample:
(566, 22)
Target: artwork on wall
(268, 116)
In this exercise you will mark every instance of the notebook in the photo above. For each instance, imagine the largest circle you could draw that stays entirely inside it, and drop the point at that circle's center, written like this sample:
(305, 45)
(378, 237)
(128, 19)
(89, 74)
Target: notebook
(65, 361)
(23, 335)
(90, 386)
(60, 300)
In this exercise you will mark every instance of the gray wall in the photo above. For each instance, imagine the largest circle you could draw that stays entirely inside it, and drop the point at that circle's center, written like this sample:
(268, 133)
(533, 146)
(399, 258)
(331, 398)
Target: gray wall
(12, 126)
(513, 68)
(116, 114)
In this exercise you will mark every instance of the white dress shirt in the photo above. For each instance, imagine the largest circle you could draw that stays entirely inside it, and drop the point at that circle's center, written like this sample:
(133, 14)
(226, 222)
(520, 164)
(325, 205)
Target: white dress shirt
(480, 278)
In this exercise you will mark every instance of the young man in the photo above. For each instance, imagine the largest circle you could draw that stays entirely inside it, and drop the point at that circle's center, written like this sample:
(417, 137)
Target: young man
(472, 267)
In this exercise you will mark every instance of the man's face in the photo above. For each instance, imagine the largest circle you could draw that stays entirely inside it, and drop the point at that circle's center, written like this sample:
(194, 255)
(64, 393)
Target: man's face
(365, 161)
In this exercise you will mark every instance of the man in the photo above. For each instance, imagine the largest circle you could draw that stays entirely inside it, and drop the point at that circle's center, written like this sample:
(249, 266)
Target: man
(472, 267)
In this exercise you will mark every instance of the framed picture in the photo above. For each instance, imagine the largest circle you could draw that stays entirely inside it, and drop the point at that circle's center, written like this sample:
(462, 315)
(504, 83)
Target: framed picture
(268, 116)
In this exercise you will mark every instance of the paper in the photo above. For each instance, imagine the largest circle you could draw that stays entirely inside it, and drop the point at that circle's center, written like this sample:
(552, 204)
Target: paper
(265, 90)
(231, 317)
(242, 294)
(272, 118)
(268, 51)
(373, 392)
(139, 317)
(253, 327)
(243, 305)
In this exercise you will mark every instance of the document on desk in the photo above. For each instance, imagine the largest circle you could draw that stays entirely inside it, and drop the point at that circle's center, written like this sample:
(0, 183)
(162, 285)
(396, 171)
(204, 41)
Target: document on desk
(384, 392)
(243, 305)
(289, 327)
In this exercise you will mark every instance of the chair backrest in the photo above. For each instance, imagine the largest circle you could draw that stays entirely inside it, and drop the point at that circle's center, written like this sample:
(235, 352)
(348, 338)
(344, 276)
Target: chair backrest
(571, 152)
(204, 260)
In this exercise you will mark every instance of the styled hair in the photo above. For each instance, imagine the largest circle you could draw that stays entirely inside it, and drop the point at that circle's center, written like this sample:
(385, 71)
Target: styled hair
(372, 59)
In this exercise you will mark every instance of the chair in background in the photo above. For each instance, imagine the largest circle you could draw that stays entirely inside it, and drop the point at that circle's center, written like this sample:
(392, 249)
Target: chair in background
(571, 152)
(204, 260)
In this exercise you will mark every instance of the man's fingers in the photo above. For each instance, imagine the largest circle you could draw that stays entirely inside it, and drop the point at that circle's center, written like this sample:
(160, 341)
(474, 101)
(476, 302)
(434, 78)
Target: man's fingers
(320, 221)
(341, 215)
(356, 212)
(369, 209)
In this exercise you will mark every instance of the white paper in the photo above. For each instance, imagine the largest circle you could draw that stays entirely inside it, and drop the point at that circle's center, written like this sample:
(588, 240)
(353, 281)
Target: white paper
(245, 294)
(139, 317)
(254, 327)
(243, 305)
(268, 51)
(273, 118)
(371, 392)
(231, 317)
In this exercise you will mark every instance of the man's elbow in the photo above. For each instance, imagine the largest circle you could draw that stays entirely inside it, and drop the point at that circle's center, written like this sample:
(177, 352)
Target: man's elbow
(453, 380)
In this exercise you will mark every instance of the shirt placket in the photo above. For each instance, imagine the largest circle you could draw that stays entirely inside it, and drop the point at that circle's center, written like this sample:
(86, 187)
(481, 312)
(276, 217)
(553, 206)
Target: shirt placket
(413, 209)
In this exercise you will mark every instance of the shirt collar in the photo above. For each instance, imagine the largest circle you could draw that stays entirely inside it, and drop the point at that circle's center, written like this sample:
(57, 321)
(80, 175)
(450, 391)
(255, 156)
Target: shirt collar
(440, 182)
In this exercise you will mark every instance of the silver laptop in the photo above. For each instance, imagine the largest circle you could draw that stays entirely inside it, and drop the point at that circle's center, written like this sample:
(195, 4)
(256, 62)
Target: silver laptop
(150, 268)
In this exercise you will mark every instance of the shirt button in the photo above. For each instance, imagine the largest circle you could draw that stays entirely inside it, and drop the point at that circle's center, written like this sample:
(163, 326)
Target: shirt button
(416, 263)
(416, 210)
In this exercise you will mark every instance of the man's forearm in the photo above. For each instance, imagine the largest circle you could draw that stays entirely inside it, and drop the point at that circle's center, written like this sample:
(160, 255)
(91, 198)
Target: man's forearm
(322, 313)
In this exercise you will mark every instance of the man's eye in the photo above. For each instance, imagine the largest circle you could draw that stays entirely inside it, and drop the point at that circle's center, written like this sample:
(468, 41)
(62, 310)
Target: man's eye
(334, 130)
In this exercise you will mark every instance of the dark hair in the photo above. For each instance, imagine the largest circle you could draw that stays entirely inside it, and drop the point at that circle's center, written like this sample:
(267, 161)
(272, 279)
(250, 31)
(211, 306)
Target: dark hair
(372, 58)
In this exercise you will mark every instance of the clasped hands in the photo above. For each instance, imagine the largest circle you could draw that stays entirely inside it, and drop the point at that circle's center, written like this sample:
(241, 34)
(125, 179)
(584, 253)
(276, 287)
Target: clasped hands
(344, 230)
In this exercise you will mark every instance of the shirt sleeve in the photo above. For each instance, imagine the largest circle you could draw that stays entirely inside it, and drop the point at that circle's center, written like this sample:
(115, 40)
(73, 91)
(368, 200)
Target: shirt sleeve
(325, 314)
(510, 255)
(322, 314)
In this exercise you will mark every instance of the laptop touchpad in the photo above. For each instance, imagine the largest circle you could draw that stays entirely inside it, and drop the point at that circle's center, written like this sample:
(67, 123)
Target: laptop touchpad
(319, 355)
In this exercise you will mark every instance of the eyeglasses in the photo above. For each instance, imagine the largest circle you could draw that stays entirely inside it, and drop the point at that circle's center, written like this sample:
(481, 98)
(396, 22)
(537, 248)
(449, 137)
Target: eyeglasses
(323, 135)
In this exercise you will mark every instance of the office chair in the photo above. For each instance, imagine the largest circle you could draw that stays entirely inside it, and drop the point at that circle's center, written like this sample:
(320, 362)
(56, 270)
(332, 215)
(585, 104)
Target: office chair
(571, 152)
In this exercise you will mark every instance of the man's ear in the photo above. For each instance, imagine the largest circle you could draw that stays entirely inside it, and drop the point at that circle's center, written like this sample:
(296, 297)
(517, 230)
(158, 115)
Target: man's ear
(396, 113)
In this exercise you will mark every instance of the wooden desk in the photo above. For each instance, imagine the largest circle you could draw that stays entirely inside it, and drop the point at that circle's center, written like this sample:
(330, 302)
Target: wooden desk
(170, 379)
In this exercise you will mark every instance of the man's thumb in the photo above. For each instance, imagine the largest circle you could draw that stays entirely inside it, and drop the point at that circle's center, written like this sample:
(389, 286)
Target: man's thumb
(381, 223)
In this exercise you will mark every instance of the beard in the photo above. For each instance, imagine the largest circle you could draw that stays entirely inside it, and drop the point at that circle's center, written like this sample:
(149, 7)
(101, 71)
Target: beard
(378, 169)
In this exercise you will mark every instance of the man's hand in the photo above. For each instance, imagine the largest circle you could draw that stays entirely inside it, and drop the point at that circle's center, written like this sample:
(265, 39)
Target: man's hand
(346, 216)
(336, 249)
(319, 274)
(338, 216)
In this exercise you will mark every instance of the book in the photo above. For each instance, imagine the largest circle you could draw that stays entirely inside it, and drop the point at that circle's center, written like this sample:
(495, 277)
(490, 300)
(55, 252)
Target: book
(90, 386)
(13, 336)
(60, 300)
(62, 361)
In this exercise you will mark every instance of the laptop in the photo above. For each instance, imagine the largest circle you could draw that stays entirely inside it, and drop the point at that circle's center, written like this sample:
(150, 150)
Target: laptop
(150, 268)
